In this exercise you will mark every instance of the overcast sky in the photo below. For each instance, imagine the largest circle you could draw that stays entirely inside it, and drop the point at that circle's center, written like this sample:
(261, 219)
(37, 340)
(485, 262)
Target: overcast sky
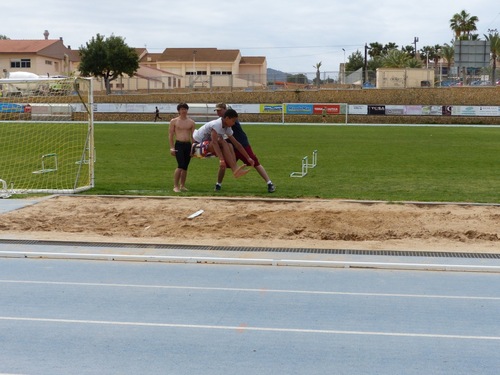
(293, 35)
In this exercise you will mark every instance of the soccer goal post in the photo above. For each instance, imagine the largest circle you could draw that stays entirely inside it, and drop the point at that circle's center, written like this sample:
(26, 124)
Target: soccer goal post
(327, 113)
(47, 135)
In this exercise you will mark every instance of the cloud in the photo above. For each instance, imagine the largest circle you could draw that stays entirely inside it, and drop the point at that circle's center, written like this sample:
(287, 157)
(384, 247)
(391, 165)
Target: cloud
(293, 35)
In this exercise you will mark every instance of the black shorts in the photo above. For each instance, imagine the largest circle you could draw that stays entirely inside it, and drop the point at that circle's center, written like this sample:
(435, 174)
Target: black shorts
(183, 154)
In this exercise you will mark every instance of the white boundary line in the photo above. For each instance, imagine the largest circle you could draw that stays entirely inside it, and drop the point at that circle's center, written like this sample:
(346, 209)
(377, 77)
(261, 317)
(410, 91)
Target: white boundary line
(243, 328)
(253, 261)
(252, 290)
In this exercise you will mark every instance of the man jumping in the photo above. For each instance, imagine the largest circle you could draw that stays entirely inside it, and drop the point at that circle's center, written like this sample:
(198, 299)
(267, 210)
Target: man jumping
(214, 132)
(242, 138)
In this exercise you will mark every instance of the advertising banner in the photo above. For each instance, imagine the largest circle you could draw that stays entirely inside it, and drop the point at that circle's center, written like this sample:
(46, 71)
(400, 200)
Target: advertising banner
(271, 108)
(446, 110)
(287, 108)
(246, 108)
(11, 108)
(413, 110)
(432, 110)
(488, 111)
(376, 109)
(395, 110)
(299, 109)
(358, 109)
(331, 109)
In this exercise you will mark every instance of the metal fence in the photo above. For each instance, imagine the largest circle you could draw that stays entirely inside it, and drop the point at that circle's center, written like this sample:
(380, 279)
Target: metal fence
(441, 76)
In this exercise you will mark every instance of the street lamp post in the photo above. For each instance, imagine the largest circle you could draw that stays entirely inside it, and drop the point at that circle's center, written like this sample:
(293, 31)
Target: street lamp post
(366, 62)
(193, 76)
(440, 67)
(194, 62)
(343, 68)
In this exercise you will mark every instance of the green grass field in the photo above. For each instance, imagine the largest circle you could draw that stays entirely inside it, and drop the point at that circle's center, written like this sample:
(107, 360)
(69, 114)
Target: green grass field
(404, 163)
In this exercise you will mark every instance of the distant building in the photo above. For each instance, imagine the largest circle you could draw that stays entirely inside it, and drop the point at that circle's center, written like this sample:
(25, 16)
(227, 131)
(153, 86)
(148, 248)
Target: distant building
(210, 67)
(173, 68)
(44, 57)
(146, 78)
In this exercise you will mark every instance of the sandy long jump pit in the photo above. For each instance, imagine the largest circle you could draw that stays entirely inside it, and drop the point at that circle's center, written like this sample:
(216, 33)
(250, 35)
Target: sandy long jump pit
(275, 223)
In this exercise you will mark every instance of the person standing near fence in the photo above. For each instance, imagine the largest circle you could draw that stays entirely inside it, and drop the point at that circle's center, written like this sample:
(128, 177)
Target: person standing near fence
(157, 114)
(324, 113)
(180, 138)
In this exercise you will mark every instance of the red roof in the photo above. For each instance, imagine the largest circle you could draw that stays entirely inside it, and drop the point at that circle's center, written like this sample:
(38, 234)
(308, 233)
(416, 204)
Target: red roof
(26, 46)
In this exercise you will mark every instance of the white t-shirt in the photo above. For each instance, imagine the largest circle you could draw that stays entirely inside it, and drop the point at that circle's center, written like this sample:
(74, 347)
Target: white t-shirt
(205, 132)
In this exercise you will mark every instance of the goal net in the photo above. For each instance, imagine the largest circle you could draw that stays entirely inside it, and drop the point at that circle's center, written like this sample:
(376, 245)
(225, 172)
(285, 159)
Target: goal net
(327, 113)
(47, 137)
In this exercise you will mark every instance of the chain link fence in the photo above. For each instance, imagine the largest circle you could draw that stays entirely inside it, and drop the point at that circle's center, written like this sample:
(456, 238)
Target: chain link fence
(435, 76)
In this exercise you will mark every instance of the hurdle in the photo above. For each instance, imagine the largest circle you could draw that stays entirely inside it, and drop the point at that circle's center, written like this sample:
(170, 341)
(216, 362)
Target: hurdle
(306, 165)
(48, 157)
(4, 191)
(314, 158)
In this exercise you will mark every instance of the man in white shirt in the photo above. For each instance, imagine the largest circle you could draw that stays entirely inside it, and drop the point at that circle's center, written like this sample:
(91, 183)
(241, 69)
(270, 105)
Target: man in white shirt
(214, 132)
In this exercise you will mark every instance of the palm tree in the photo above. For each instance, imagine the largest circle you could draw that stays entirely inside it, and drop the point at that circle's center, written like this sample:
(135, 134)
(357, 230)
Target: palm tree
(435, 54)
(425, 53)
(389, 46)
(470, 25)
(448, 53)
(414, 63)
(376, 49)
(463, 24)
(455, 25)
(396, 59)
(318, 74)
(430, 53)
(494, 38)
(410, 50)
